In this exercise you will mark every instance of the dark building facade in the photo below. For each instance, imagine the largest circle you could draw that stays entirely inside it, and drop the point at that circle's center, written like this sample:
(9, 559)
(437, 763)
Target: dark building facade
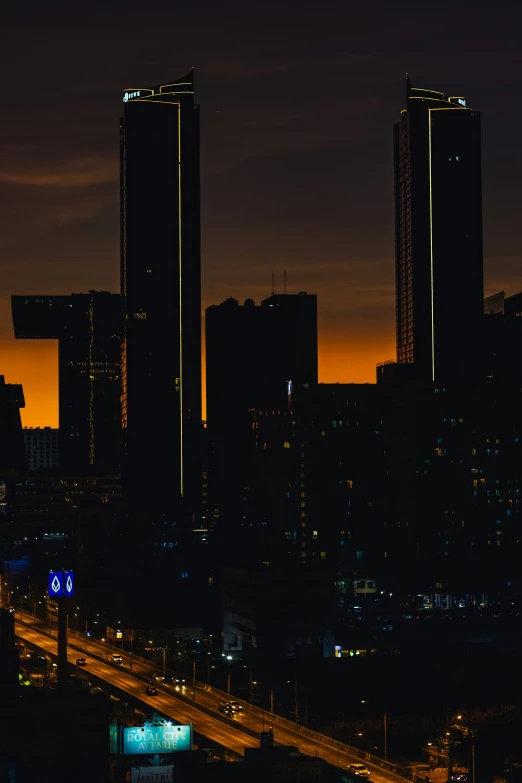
(255, 356)
(161, 290)
(438, 234)
(42, 447)
(12, 448)
(502, 341)
(87, 327)
(453, 455)
(411, 484)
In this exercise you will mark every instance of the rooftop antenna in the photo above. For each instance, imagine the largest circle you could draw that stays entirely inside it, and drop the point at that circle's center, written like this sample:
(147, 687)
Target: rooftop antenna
(273, 282)
(284, 284)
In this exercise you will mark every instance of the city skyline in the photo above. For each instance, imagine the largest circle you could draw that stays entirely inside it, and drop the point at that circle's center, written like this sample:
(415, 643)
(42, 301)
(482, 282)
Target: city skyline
(59, 188)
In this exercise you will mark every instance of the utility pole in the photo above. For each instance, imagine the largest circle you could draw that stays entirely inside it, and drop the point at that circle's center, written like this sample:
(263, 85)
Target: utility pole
(272, 700)
(164, 650)
(471, 734)
(228, 683)
(194, 672)
(251, 687)
(296, 694)
(62, 644)
(385, 736)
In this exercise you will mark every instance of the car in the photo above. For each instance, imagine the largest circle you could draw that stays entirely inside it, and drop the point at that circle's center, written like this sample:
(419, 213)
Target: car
(178, 681)
(227, 710)
(236, 706)
(158, 678)
(117, 659)
(359, 770)
(81, 662)
(152, 690)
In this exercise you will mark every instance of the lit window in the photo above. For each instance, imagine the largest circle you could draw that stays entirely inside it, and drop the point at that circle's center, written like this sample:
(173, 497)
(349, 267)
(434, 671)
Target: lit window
(314, 533)
(286, 444)
(323, 555)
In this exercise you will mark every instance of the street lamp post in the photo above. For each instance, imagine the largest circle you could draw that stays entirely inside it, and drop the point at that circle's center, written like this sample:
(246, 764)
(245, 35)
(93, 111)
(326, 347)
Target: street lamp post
(385, 736)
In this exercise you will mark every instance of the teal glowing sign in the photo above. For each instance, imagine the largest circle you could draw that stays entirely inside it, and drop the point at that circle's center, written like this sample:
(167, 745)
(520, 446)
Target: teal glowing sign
(156, 739)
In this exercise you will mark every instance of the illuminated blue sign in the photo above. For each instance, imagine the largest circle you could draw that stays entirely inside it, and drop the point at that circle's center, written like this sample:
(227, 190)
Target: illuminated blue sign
(68, 577)
(60, 583)
(55, 585)
(156, 739)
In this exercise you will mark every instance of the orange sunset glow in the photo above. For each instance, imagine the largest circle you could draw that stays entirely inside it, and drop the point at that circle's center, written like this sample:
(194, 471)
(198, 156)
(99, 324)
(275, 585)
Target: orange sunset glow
(34, 364)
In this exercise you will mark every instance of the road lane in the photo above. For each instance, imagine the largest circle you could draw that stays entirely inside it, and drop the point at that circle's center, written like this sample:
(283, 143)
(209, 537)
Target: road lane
(178, 710)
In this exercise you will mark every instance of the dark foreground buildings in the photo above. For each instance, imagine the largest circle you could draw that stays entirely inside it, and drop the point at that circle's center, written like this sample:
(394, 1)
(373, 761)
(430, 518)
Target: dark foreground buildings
(438, 234)
(255, 357)
(161, 290)
(415, 485)
(12, 447)
(87, 327)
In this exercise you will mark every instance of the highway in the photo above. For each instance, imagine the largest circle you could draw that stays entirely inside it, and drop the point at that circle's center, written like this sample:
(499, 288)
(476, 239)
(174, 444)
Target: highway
(167, 704)
(173, 703)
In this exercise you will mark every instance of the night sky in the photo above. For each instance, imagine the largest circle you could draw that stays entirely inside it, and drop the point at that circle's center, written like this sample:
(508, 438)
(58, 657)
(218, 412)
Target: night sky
(297, 105)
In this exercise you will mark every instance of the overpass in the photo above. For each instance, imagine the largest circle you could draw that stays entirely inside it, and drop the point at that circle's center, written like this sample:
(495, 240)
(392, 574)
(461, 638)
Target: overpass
(198, 704)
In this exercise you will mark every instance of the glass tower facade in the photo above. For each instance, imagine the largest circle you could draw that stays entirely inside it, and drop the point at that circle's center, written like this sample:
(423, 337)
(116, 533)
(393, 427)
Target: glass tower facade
(438, 234)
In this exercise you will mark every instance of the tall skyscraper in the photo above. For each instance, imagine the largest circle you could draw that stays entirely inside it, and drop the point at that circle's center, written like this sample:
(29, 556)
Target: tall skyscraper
(161, 289)
(88, 330)
(254, 355)
(438, 234)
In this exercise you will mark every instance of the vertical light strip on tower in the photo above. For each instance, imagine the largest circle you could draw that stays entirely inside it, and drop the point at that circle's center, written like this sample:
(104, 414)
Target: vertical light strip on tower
(431, 256)
(91, 383)
(180, 255)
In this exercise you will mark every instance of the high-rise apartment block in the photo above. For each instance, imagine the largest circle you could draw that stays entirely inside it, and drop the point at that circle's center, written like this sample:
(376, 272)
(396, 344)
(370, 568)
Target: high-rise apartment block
(161, 290)
(87, 327)
(438, 234)
(41, 447)
(255, 356)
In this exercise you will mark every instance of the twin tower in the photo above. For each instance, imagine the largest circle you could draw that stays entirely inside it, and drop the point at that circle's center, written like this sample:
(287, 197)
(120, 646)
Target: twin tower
(130, 364)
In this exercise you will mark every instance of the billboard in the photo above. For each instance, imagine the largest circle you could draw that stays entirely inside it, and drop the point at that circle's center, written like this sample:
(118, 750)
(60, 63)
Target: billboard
(156, 739)
(68, 578)
(60, 583)
(55, 584)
